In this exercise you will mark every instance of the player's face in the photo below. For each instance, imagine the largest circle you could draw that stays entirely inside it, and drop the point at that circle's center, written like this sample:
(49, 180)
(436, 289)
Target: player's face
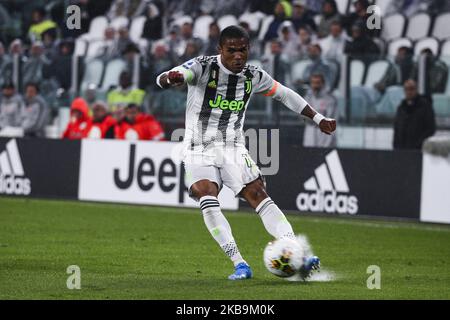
(234, 54)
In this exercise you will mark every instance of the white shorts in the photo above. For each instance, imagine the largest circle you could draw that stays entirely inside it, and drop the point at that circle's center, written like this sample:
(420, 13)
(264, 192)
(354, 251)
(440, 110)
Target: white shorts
(229, 166)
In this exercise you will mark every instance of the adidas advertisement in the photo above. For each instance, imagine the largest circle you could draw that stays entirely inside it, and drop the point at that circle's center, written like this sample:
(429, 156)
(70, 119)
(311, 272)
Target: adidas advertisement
(327, 190)
(39, 168)
(141, 172)
(351, 182)
(12, 176)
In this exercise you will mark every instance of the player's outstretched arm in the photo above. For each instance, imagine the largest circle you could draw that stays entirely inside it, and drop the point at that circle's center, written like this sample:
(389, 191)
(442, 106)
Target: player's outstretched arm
(295, 102)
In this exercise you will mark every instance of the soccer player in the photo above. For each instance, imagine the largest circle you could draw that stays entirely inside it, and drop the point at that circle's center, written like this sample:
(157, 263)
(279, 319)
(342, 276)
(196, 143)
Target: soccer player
(219, 88)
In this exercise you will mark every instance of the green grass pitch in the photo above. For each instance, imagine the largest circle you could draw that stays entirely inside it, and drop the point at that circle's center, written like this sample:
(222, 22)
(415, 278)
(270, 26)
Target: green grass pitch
(137, 252)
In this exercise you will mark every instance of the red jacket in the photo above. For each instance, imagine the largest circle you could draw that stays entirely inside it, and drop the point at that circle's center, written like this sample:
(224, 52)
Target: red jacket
(103, 129)
(146, 127)
(78, 128)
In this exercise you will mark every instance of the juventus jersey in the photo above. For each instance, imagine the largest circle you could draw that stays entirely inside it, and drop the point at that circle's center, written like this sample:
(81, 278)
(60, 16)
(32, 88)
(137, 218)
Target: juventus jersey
(217, 100)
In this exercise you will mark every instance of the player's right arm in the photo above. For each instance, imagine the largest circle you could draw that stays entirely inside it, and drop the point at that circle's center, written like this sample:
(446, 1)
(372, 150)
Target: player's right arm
(185, 73)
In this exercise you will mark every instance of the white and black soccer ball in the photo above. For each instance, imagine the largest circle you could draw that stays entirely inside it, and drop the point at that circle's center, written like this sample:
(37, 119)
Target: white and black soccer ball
(284, 257)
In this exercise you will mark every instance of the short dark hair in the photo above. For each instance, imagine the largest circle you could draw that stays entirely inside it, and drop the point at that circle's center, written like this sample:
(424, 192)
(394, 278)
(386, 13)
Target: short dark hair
(233, 32)
(8, 85)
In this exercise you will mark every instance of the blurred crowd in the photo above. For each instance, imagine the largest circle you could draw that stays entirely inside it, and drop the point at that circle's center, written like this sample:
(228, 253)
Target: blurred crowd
(311, 30)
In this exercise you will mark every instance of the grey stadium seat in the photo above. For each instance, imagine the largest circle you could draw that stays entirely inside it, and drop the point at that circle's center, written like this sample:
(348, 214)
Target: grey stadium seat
(418, 26)
(394, 45)
(357, 69)
(441, 29)
(431, 43)
(393, 27)
(376, 72)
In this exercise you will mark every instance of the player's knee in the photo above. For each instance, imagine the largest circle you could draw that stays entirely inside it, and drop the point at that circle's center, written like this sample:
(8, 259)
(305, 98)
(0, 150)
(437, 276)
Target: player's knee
(255, 192)
(204, 188)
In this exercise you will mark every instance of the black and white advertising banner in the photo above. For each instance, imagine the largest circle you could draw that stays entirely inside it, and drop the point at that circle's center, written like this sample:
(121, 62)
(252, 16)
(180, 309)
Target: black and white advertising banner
(355, 182)
(138, 172)
(39, 168)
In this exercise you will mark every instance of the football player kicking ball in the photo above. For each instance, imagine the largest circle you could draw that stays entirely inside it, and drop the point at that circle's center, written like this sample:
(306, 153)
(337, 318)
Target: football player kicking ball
(219, 88)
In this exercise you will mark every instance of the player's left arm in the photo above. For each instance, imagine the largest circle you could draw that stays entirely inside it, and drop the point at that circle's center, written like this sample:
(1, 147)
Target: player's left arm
(296, 103)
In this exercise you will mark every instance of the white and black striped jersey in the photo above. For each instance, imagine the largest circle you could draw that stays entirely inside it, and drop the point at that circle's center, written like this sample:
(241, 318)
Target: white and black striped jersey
(217, 100)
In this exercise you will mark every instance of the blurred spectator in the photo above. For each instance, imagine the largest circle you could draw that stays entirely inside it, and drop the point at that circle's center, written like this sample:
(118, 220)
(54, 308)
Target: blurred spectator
(325, 104)
(40, 24)
(32, 69)
(11, 105)
(360, 17)
(289, 40)
(131, 55)
(275, 62)
(267, 6)
(408, 7)
(361, 46)
(153, 23)
(109, 48)
(50, 45)
(5, 66)
(126, 8)
(318, 66)
(229, 7)
(190, 52)
(305, 39)
(329, 15)
(213, 40)
(436, 73)
(61, 67)
(406, 67)
(159, 61)
(35, 114)
(123, 40)
(283, 10)
(333, 45)
(80, 121)
(138, 126)
(102, 122)
(315, 6)
(124, 95)
(414, 121)
(301, 15)
(91, 94)
(186, 36)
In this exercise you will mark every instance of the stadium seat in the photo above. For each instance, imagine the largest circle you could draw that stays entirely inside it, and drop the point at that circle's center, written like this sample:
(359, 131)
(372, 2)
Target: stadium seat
(97, 28)
(226, 21)
(112, 72)
(266, 21)
(253, 19)
(92, 73)
(137, 27)
(298, 69)
(94, 48)
(418, 26)
(393, 27)
(441, 29)
(383, 5)
(342, 6)
(431, 43)
(80, 47)
(201, 27)
(394, 45)
(445, 49)
(357, 69)
(119, 22)
(376, 72)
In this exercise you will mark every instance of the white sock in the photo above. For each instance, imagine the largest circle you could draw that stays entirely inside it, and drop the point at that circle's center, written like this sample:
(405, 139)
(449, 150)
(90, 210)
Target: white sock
(219, 228)
(274, 220)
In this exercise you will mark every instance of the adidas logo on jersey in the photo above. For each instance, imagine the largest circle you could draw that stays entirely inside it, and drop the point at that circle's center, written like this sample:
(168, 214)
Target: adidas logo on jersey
(12, 175)
(329, 191)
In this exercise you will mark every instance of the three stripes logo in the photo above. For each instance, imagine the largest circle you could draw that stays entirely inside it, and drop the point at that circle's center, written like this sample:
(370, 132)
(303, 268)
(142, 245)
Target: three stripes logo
(12, 175)
(328, 189)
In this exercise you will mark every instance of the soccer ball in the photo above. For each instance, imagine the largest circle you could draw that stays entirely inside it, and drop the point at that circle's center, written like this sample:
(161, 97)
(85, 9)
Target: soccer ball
(284, 257)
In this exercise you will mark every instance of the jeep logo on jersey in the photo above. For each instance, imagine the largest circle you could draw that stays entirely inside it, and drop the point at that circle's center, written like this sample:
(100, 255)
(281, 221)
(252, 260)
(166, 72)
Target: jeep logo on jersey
(12, 175)
(224, 104)
(328, 189)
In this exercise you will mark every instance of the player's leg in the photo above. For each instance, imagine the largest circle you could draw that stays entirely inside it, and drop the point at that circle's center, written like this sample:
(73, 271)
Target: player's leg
(274, 220)
(272, 217)
(207, 191)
